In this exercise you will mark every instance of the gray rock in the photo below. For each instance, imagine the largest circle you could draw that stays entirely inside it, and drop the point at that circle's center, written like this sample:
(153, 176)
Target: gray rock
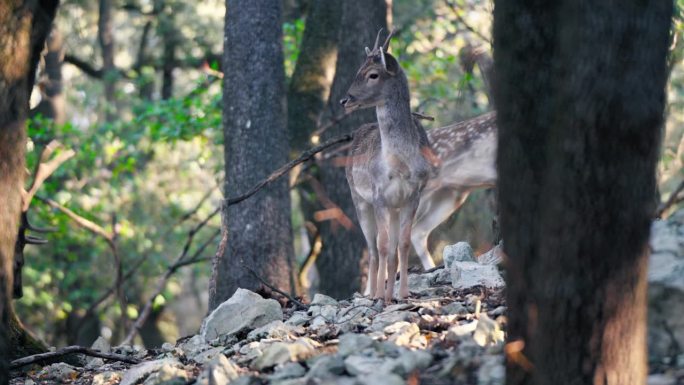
(488, 332)
(298, 318)
(493, 256)
(458, 332)
(455, 308)
(287, 370)
(102, 345)
(460, 252)
(194, 346)
(465, 275)
(661, 379)
(321, 299)
(104, 378)
(402, 333)
(666, 290)
(325, 366)
(207, 355)
(167, 375)
(219, 371)
(282, 352)
(380, 378)
(492, 371)
(245, 310)
(275, 330)
(382, 320)
(353, 343)
(141, 371)
(59, 372)
(362, 365)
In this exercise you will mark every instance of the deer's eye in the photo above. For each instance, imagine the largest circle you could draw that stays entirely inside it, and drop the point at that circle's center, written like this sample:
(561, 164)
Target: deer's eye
(373, 76)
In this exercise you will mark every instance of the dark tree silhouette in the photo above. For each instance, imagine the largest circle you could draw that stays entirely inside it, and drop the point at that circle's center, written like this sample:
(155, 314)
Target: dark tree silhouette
(24, 26)
(579, 91)
(339, 262)
(259, 233)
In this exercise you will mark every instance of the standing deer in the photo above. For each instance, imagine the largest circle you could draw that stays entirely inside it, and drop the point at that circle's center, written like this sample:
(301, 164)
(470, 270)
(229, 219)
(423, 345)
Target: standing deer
(466, 152)
(388, 168)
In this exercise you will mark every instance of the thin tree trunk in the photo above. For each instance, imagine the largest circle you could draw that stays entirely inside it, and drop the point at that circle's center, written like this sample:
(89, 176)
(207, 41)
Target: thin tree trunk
(339, 261)
(580, 94)
(52, 104)
(23, 29)
(106, 38)
(313, 74)
(259, 232)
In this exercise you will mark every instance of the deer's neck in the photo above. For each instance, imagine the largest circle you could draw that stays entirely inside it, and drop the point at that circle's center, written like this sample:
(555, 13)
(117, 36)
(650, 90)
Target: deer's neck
(397, 131)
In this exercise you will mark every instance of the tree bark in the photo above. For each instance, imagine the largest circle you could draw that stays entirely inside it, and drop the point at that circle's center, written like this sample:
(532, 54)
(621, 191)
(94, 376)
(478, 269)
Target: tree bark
(52, 103)
(580, 93)
(258, 230)
(313, 74)
(105, 36)
(339, 261)
(23, 29)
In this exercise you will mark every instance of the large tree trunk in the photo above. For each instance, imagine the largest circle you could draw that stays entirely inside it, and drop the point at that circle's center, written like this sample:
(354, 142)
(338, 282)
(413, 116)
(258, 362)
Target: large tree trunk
(23, 29)
(339, 262)
(313, 74)
(580, 95)
(259, 232)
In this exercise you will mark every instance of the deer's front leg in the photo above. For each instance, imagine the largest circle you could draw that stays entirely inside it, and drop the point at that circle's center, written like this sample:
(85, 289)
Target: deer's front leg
(406, 218)
(388, 234)
(366, 216)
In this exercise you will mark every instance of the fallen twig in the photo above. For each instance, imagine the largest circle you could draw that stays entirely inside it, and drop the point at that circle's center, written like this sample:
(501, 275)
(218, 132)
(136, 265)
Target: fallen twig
(671, 201)
(292, 299)
(28, 360)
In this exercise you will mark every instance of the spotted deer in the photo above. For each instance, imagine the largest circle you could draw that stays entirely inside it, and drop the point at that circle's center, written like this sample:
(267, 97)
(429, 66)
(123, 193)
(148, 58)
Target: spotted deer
(466, 153)
(388, 167)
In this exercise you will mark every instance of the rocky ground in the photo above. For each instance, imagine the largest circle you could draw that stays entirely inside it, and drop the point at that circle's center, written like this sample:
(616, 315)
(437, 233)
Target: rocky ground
(450, 331)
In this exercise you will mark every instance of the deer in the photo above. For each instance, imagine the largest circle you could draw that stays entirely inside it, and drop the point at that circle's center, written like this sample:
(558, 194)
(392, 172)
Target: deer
(466, 154)
(388, 168)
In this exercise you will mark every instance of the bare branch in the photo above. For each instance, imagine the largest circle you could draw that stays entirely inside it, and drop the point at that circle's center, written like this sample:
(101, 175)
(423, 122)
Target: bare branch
(671, 201)
(284, 294)
(303, 157)
(79, 220)
(18, 363)
(464, 23)
(44, 169)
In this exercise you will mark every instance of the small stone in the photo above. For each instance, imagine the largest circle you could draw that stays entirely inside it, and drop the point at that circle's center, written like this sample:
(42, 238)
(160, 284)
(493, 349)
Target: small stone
(167, 347)
(465, 275)
(488, 332)
(282, 352)
(219, 371)
(456, 308)
(498, 311)
(492, 371)
(137, 373)
(458, 332)
(321, 299)
(167, 375)
(402, 332)
(207, 355)
(375, 378)
(105, 378)
(361, 365)
(276, 330)
(325, 366)
(353, 343)
(59, 372)
(298, 318)
(383, 320)
(287, 370)
(460, 252)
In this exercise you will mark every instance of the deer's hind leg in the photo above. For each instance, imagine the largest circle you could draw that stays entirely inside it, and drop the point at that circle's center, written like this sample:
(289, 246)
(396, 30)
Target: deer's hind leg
(366, 216)
(435, 207)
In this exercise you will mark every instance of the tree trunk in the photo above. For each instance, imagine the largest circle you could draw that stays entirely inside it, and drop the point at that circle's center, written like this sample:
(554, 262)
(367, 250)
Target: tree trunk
(313, 74)
(23, 29)
(106, 38)
(52, 103)
(259, 232)
(580, 95)
(339, 262)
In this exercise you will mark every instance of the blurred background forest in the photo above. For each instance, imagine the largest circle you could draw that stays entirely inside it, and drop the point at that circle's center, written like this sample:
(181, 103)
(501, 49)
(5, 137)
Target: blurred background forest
(134, 88)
